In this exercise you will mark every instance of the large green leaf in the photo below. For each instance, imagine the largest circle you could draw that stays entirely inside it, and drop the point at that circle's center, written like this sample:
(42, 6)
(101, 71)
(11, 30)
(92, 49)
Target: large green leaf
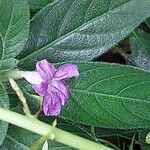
(14, 26)
(4, 102)
(110, 95)
(140, 49)
(20, 139)
(76, 29)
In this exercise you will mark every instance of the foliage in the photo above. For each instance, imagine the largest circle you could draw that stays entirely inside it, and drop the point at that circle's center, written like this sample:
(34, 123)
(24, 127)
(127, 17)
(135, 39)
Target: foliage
(107, 100)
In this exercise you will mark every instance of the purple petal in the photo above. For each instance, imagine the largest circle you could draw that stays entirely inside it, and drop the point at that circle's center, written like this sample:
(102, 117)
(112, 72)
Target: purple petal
(45, 69)
(66, 71)
(41, 89)
(32, 77)
(52, 105)
(61, 90)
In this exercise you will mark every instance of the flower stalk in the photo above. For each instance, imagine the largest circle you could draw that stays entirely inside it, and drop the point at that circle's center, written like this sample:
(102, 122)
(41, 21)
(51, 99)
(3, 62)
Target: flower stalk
(41, 128)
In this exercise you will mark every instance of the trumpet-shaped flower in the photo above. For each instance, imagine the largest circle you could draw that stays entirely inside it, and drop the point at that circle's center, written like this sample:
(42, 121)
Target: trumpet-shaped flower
(49, 83)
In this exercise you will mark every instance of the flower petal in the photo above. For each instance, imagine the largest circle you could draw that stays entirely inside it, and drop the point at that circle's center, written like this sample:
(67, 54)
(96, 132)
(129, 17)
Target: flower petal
(52, 105)
(32, 77)
(66, 71)
(45, 69)
(41, 89)
(61, 89)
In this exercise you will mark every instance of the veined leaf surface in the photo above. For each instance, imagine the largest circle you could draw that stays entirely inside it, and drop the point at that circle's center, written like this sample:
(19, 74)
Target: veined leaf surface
(81, 30)
(110, 95)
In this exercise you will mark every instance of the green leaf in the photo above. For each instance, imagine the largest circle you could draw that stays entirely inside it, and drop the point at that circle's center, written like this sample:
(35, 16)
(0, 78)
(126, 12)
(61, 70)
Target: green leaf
(38, 4)
(140, 49)
(81, 30)
(144, 145)
(20, 139)
(4, 102)
(110, 95)
(14, 26)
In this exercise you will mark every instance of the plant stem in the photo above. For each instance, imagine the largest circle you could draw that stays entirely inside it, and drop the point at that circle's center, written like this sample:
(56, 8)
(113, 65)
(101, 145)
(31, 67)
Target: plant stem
(20, 94)
(41, 128)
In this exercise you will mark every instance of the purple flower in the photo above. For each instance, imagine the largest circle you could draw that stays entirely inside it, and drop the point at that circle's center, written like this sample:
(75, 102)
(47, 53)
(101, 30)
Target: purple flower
(49, 83)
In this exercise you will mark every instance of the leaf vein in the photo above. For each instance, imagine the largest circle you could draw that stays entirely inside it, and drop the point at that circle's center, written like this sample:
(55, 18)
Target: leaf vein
(132, 85)
(110, 95)
(109, 78)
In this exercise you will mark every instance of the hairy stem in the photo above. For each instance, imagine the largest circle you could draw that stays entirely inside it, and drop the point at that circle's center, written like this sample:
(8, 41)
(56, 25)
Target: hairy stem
(41, 128)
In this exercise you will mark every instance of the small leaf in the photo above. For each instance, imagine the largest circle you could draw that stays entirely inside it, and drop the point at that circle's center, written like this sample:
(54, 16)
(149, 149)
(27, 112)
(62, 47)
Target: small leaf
(81, 30)
(14, 26)
(110, 95)
(4, 102)
(140, 48)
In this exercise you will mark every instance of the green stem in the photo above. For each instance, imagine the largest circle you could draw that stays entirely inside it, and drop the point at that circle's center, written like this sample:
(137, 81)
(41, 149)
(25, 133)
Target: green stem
(43, 129)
